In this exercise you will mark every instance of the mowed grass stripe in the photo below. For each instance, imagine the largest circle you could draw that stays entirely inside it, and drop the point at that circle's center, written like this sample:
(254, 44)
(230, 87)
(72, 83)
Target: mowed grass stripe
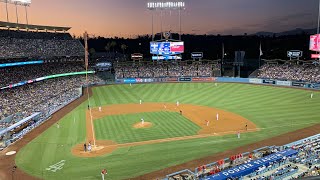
(167, 125)
(275, 110)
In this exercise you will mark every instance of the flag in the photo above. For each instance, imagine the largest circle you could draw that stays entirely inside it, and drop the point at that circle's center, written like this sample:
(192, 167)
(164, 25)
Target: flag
(222, 50)
(261, 53)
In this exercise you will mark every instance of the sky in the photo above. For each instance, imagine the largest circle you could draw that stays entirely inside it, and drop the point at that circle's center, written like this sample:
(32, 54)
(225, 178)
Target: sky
(130, 17)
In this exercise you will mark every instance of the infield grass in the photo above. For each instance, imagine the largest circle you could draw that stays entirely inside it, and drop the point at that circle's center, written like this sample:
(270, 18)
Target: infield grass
(274, 110)
(119, 128)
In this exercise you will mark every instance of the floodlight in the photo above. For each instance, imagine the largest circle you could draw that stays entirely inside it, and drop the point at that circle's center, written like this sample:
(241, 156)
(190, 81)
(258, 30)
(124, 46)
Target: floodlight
(166, 5)
(18, 2)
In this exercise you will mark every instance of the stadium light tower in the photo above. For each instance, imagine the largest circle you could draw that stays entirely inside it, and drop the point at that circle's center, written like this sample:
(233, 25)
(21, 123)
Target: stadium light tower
(166, 5)
(25, 3)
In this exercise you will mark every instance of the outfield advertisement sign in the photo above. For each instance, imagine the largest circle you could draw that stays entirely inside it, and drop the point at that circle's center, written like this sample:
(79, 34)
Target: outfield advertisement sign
(267, 81)
(247, 168)
(283, 83)
(185, 79)
(203, 79)
(298, 84)
(255, 81)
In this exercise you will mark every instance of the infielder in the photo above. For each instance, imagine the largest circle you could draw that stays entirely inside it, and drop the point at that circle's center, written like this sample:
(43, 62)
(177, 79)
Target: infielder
(207, 122)
(99, 108)
(217, 116)
(178, 103)
(142, 121)
(140, 101)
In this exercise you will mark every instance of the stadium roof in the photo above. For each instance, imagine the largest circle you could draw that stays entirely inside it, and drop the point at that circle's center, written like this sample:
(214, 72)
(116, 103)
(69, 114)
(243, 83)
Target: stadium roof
(32, 27)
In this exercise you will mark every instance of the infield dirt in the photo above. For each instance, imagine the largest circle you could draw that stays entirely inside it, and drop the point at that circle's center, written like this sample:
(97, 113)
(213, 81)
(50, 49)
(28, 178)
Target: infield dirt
(205, 117)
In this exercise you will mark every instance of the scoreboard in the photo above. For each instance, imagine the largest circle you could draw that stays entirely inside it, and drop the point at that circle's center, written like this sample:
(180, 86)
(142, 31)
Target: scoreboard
(166, 48)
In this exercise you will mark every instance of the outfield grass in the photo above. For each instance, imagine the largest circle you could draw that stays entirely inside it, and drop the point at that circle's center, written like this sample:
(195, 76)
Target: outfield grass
(119, 128)
(275, 110)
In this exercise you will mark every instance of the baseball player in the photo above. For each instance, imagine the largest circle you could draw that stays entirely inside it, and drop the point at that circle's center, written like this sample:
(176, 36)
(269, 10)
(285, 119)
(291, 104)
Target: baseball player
(217, 116)
(311, 95)
(165, 106)
(142, 121)
(238, 134)
(103, 172)
(215, 84)
(207, 122)
(178, 103)
(246, 127)
(58, 126)
(140, 101)
(130, 85)
(99, 108)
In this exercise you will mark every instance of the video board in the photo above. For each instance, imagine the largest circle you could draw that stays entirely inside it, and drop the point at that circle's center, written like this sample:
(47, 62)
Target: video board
(315, 42)
(166, 48)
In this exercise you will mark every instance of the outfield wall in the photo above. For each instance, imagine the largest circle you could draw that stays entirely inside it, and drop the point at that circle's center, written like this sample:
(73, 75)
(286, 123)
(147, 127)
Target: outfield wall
(296, 84)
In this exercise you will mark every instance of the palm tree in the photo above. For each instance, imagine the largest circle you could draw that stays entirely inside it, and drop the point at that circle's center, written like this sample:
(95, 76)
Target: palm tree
(123, 47)
(108, 47)
(113, 45)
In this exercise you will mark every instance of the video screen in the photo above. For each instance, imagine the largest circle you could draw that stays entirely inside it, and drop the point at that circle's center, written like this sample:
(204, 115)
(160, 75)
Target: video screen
(166, 48)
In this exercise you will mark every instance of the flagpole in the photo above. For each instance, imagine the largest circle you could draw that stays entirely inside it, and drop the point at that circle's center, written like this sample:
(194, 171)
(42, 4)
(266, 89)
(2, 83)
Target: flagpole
(222, 59)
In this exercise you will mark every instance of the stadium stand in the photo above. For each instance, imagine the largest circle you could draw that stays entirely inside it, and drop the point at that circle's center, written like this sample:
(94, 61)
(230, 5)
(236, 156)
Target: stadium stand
(166, 69)
(25, 107)
(292, 161)
(27, 44)
(307, 72)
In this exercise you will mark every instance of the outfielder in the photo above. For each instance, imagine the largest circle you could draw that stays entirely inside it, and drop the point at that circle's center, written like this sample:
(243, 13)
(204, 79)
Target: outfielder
(238, 134)
(311, 95)
(142, 121)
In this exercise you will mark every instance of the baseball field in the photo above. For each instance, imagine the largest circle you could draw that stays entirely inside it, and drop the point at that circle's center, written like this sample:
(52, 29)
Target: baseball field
(170, 134)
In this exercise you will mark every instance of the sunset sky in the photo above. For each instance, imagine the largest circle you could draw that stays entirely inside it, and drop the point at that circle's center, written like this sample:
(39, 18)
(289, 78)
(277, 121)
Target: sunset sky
(130, 17)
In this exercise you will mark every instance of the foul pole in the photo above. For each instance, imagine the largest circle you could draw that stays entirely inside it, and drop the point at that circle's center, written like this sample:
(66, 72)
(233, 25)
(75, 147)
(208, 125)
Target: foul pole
(86, 60)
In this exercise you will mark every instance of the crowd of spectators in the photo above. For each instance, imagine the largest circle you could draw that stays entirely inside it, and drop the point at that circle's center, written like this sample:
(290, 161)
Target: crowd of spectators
(44, 96)
(16, 74)
(38, 44)
(165, 70)
(292, 72)
(303, 164)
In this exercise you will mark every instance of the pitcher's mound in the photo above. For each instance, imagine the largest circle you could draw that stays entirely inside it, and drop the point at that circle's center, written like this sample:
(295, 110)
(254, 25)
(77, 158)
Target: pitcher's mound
(144, 125)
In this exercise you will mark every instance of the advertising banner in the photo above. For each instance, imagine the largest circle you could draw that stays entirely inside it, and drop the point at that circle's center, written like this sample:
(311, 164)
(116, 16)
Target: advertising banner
(315, 56)
(203, 79)
(172, 79)
(185, 79)
(294, 54)
(283, 83)
(247, 168)
(20, 63)
(314, 43)
(130, 80)
(255, 81)
(298, 84)
(197, 55)
(267, 81)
